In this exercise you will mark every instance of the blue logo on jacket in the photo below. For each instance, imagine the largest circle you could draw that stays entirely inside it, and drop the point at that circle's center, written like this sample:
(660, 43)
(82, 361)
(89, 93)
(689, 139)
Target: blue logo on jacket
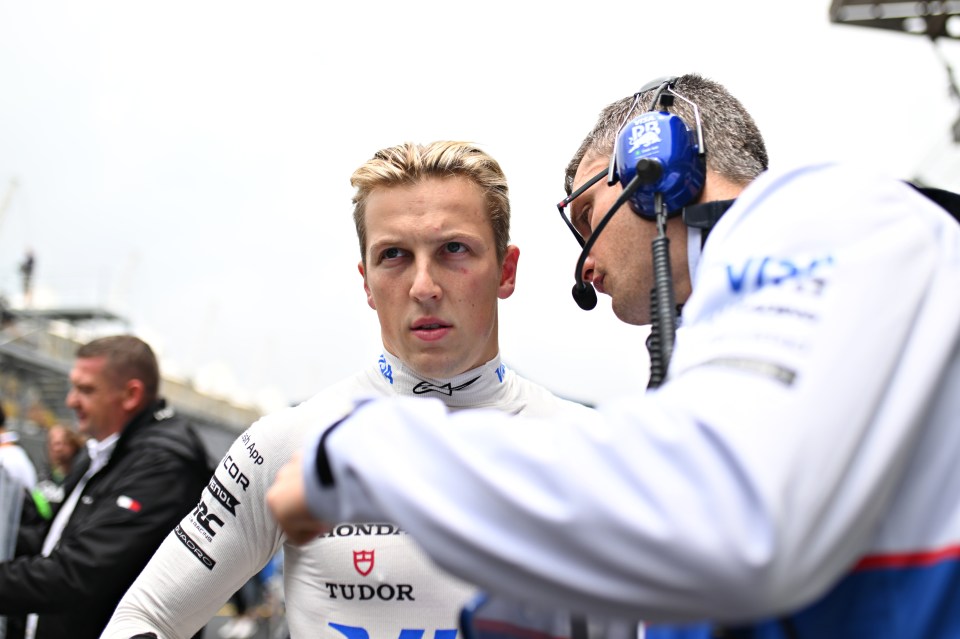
(757, 273)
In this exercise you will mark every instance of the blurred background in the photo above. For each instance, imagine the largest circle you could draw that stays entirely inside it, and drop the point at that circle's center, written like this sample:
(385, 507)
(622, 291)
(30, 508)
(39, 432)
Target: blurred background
(181, 170)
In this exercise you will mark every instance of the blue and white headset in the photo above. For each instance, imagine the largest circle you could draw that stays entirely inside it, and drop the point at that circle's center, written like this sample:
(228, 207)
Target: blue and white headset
(669, 156)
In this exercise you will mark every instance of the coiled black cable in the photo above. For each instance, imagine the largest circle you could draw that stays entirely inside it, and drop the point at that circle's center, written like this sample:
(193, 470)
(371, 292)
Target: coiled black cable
(663, 305)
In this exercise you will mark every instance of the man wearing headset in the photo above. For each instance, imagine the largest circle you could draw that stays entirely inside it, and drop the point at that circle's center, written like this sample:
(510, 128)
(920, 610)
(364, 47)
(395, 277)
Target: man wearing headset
(795, 473)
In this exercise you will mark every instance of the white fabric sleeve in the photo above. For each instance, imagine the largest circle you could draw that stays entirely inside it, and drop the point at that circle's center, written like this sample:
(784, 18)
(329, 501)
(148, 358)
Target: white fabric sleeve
(216, 548)
(230, 535)
(745, 485)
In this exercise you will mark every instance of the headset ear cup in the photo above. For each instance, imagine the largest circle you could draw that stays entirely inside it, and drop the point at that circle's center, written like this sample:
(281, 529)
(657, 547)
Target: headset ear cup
(664, 138)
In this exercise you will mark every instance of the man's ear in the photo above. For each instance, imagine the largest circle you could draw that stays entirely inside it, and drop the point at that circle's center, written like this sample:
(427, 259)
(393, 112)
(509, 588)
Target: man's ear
(134, 392)
(508, 272)
(366, 287)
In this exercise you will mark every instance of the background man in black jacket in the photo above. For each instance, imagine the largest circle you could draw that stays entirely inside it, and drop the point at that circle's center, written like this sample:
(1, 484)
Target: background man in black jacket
(147, 468)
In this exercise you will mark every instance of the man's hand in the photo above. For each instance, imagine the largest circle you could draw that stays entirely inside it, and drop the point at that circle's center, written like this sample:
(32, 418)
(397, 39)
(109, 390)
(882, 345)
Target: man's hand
(287, 500)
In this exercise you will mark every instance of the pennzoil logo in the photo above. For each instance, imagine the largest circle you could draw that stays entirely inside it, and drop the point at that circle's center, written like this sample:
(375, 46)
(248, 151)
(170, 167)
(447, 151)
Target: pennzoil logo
(363, 561)
(224, 496)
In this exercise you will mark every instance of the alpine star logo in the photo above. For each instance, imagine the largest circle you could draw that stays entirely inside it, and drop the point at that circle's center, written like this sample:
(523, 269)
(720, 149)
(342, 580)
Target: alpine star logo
(363, 561)
(446, 389)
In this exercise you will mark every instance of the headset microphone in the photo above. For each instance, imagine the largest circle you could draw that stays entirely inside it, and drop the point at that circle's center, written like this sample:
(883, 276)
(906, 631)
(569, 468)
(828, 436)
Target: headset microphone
(584, 295)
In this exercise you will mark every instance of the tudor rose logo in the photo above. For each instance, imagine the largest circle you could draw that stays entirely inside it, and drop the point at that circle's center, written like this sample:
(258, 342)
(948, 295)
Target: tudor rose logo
(363, 561)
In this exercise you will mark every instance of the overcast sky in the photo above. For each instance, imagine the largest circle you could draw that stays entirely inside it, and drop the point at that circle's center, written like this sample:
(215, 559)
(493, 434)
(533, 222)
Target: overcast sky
(186, 164)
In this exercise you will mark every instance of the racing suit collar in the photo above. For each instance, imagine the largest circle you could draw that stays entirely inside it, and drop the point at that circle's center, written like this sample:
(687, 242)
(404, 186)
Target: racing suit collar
(480, 386)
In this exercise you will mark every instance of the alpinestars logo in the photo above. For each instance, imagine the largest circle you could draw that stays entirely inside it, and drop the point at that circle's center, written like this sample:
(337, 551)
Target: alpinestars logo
(363, 561)
(446, 389)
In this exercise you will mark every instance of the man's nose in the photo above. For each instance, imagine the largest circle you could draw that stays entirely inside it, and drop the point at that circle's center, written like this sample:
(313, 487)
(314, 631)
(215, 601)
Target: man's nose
(424, 286)
(588, 268)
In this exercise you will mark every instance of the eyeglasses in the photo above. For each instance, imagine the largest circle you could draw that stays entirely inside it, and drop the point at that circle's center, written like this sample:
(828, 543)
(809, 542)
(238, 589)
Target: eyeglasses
(608, 172)
(661, 84)
(565, 202)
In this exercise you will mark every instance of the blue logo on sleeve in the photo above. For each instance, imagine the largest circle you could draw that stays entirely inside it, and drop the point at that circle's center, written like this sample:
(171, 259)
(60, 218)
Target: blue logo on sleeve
(501, 371)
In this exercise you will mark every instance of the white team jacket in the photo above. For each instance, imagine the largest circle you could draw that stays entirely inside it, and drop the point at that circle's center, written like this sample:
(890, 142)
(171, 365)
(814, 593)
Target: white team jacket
(361, 581)
(801, 459)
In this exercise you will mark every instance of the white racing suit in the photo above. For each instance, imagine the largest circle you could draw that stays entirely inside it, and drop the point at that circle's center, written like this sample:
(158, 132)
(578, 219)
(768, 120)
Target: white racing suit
(360, 581)
(796, 475)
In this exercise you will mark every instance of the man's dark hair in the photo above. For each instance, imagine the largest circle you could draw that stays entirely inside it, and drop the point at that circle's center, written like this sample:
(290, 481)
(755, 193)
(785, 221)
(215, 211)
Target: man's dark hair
(128, 357)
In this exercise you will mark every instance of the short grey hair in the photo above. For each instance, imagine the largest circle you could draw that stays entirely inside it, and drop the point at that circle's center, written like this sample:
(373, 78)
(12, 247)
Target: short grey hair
(735, 148)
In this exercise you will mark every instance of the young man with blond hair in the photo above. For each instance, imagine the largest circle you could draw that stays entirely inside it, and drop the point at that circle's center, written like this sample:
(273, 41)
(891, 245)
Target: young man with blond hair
(433, 225)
